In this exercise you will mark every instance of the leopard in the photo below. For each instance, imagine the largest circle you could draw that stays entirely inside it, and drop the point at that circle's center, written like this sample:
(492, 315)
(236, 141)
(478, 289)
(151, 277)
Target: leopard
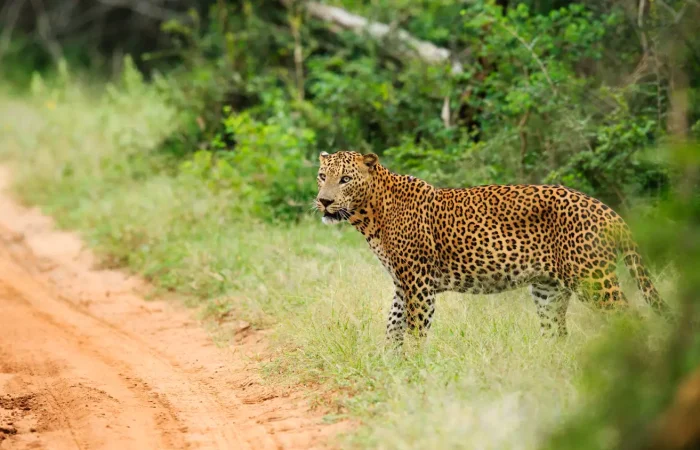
(481, 240)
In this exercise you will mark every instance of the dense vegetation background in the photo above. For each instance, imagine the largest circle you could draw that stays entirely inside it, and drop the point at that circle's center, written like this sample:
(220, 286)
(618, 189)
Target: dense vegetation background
(532, 91)
(598, 95)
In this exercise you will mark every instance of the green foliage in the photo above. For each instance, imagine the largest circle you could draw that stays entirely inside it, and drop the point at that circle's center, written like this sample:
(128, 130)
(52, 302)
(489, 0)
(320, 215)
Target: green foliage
(534, 103)
(551, 91)
(267, 167)
(616, 161)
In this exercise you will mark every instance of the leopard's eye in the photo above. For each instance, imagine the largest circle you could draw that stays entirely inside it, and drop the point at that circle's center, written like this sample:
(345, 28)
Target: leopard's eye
(322, 176)
(345, 179)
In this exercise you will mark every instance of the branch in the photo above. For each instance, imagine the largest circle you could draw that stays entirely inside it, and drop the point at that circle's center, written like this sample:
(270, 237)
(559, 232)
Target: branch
(534, 56)
(45, 31)
(445, 114)
(13, 10)
(677, 15)
(148, 9)
(677, 426)
(295, 25)
(344, 20)
(523, 143)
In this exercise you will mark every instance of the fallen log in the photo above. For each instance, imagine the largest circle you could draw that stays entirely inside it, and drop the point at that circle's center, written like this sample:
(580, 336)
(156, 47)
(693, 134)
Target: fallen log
(408, 45)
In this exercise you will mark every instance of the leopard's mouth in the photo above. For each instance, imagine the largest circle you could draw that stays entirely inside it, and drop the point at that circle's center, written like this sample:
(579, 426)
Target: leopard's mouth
(330, 218)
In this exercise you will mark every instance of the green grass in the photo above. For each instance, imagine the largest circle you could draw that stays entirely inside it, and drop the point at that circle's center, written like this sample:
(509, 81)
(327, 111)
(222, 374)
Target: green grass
(484, 379)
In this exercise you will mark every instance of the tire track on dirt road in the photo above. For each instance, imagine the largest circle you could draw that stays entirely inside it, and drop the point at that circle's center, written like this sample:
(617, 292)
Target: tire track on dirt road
(85, 362)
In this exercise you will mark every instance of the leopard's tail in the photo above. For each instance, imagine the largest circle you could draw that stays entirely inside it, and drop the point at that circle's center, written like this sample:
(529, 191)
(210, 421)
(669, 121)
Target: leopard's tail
(633, 260)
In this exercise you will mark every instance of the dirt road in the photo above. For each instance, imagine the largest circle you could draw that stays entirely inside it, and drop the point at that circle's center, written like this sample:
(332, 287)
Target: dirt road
(85, 363)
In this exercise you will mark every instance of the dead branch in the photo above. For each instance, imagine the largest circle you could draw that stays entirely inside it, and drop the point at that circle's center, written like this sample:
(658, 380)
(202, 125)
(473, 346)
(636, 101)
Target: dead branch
(409, 45)
(13, 10)
(523, 142)
(445, 114)
(295, 25)
(45, 31)
(149, 9)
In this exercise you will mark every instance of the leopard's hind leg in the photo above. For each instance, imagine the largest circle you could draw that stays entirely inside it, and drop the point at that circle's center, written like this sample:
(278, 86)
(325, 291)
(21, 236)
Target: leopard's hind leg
(551, 300)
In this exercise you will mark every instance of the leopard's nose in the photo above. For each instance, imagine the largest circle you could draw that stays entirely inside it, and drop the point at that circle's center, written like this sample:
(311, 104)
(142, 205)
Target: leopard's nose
(325, 202)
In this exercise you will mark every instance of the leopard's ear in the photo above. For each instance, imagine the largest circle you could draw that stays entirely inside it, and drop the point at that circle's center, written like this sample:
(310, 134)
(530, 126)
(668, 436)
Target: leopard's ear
(323, 156)
(370, 160)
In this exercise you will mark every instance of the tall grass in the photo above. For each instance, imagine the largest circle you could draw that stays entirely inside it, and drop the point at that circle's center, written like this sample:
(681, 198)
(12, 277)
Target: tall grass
(485, 379)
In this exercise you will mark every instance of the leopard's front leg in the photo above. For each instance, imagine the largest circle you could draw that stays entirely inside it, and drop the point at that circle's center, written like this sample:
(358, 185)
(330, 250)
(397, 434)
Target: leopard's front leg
(420, 306)
(396, 323)
(414, 300)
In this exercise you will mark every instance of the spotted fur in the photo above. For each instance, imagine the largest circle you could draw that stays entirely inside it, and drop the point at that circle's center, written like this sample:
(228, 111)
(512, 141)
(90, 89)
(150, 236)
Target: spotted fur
(481, 240)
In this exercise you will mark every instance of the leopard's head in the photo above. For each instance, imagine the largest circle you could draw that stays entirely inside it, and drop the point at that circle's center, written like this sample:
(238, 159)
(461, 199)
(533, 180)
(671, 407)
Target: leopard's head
(344, 180)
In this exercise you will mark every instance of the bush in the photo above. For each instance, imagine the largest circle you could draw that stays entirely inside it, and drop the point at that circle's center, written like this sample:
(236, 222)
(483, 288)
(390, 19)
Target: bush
(267, 166)
(534, 104)
(553, 92)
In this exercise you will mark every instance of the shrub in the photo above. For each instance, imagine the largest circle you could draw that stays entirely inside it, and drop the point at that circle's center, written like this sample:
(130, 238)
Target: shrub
(267, 166)
(532, 105)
